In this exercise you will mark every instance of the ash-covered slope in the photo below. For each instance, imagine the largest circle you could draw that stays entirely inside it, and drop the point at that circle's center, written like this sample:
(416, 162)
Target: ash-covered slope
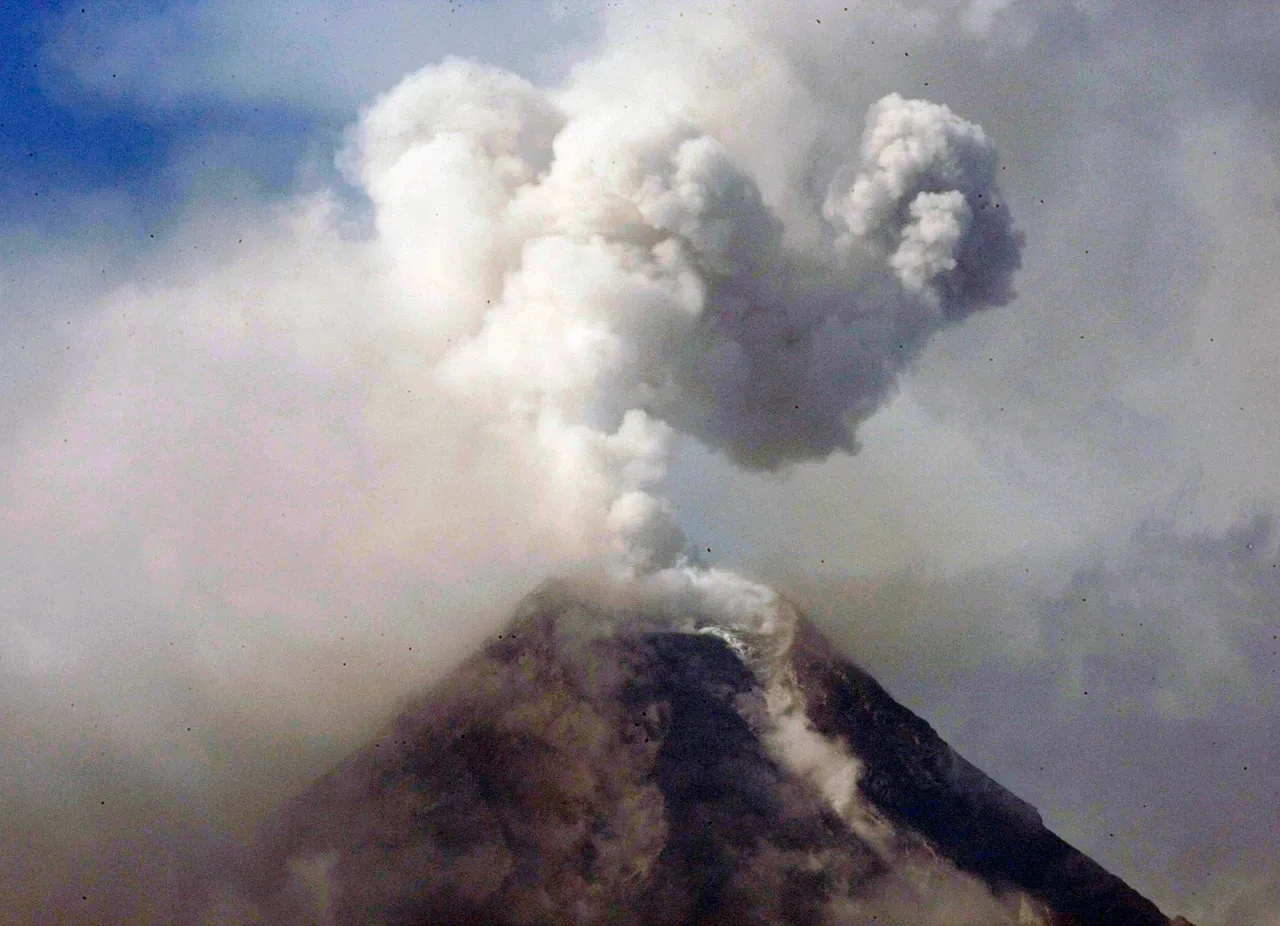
(618, 763)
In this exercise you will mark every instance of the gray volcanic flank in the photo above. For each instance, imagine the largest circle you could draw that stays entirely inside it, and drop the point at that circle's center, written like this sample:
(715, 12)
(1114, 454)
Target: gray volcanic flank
(607, 763)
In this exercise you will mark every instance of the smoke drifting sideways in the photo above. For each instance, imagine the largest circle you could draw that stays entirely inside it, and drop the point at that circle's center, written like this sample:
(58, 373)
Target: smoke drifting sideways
(292, 450)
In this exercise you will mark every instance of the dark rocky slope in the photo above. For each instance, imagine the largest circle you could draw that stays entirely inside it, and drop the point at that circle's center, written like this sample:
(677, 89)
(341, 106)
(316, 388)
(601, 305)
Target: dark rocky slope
(593, 765)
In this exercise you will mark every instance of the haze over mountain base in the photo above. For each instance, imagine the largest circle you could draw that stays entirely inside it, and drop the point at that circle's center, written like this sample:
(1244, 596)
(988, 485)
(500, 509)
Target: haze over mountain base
(682, 749)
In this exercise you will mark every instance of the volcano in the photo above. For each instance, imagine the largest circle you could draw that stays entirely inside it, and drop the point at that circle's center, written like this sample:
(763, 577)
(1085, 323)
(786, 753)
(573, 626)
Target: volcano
(605, 759)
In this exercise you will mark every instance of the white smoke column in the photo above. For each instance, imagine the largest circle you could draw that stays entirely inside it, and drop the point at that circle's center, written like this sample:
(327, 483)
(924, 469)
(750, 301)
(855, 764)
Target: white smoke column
(752, 619)
(289, 445)
(594, 271)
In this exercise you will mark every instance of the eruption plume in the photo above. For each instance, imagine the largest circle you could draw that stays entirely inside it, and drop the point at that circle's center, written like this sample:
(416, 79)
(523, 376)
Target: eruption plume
(599, 274)
(287, 451)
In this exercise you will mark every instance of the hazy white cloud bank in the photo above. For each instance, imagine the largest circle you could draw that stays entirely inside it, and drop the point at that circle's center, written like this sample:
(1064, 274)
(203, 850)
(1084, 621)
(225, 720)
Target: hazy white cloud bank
(246, 475)
(1144, 675)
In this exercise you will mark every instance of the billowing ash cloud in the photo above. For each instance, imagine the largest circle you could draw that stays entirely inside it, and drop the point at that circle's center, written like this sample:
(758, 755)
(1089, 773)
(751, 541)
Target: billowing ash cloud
(925, 194)
(290, 464)
(598, 271)
(245, 502)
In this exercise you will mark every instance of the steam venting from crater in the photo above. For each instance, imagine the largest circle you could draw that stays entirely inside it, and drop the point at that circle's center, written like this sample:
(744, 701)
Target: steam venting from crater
(398, 425)
(597, 272)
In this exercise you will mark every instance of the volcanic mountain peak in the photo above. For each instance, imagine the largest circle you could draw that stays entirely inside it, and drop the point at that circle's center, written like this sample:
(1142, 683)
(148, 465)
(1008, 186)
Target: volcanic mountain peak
(685, 749)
